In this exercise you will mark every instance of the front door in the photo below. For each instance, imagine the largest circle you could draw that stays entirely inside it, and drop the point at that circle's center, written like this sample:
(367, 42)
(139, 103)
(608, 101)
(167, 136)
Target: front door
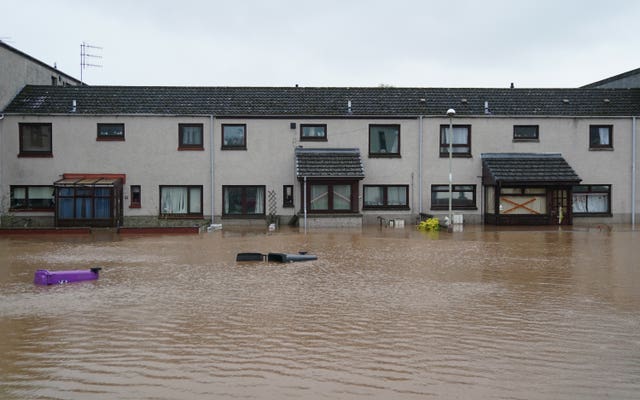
(560, 208)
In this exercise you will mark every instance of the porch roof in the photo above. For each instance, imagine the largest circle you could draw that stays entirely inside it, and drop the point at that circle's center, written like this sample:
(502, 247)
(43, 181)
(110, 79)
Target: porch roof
(542, 169)
(329, 163)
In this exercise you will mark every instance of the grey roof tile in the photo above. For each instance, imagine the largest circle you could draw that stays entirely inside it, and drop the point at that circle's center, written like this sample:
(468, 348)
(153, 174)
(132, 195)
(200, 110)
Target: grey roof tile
(327, 101)
(329, 163)
(527, 168)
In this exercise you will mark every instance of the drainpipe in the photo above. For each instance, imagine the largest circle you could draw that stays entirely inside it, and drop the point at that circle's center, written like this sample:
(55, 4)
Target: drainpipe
(633, 172)
(304, 201)
(1, 169)
(211, 170)
(420, 164)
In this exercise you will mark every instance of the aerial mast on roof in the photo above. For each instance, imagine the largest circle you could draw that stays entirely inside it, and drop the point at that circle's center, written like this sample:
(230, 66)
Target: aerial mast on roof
(83, 57)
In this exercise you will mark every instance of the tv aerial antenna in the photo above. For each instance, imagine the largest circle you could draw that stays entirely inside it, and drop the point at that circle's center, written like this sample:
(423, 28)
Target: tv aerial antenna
(87, 52)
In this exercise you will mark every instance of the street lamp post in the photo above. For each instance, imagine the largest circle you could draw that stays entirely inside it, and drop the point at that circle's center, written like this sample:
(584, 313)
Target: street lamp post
(450, 112)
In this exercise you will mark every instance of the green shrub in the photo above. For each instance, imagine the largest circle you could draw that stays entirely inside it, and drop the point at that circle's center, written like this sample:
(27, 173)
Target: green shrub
(431, 224)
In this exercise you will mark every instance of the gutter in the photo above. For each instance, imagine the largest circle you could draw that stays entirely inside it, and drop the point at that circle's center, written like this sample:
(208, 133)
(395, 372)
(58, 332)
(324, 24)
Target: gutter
(211, 168)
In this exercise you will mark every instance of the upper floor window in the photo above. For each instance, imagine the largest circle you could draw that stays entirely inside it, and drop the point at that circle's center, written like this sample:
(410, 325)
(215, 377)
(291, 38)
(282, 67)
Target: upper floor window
(600, 137)
(592, 200)
(110, 132)
(386, 196)
(463, 197)
(234, 136)
(461, 143)
(526, 133)
(313, 132)
(190, 137)
(384, 140)
(35, 140)
(30, 198)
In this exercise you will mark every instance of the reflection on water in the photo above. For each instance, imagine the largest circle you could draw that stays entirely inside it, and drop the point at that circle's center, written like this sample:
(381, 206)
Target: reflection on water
(515, 314)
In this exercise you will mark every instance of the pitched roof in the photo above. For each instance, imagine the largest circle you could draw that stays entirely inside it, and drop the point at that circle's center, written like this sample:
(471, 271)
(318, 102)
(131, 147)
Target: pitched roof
(329, 163)
(615, 78)
(35, 60)
(527, 168)
(323, 101)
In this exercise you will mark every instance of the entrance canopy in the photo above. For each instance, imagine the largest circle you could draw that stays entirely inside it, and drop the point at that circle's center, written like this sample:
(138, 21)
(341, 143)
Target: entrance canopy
(329, 163)
(527, 169)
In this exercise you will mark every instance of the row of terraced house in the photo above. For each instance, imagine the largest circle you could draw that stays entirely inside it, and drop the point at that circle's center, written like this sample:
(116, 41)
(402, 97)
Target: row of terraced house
(134, 156)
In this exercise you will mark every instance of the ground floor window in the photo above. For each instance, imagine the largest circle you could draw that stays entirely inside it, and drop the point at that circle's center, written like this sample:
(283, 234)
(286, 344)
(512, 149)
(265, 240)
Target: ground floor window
(336, 196)
(181, 201)
(592, 200)
(463, 197)
(386, 196)
(243, 200)
(330, 197)
(84, 203)
(287, 196)
(519, 201)
(32, 198)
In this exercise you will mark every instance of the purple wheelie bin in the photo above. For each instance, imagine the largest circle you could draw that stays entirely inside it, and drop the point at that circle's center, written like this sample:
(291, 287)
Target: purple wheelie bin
(46, 277)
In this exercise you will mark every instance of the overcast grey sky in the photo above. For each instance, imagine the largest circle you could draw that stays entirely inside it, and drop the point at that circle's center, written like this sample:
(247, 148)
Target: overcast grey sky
(464, 43)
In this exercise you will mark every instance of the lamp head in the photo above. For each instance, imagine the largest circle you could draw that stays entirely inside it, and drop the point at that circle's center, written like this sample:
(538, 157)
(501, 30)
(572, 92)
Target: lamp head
(451, 112)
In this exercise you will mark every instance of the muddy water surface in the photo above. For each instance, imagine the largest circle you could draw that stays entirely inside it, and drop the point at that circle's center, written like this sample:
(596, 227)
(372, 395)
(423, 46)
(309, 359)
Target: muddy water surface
(385, 314)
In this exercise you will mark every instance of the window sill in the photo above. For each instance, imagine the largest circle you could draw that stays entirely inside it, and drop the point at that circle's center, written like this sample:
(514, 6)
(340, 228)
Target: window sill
(35, 155)
(526, 140)
(30, 210)
(446, 208)
(455, 155)
(287, 206)
(243, 216)
(190, 148)
(592, 215)
(405, 208)
(110, 139)
(234, 148)
(384, 155)
(308, 139)
(180, 216)
(600, 148)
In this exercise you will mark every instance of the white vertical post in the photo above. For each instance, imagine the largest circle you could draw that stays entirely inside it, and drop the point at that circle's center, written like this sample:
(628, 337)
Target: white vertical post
(450, 112)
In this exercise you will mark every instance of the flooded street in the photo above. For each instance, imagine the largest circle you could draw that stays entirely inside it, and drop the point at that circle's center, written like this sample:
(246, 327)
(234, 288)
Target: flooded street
(382, 314)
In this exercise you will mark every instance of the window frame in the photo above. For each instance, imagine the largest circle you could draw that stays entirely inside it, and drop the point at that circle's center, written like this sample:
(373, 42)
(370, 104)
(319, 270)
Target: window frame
(132, 194)
(590, 190)
(34, 153)
(26, 208)
(535, 138)
(109, 138)
(287, 196)
(304, 138)
(593, 130)
(385, 198)
(385, 154)
(244, 213)
(242, 146)
(353, 196)
(189, 146)
(443, 134)
(472, 205)
(188, 214)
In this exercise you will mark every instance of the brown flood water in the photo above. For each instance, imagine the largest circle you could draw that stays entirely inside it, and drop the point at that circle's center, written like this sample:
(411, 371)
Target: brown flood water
(384, 314)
